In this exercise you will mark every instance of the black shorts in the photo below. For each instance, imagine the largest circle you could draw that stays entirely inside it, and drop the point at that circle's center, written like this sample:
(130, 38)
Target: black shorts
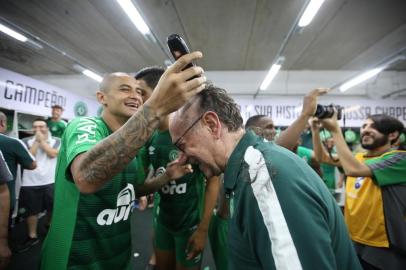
(36, 199)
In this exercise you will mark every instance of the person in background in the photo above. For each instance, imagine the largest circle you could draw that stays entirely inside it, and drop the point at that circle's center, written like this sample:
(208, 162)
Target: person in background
(37, 187)
(15, 153)
(5, 176)
(97, 169)
(376, 179)
(180, 228)
(281, 214)
(56, 124)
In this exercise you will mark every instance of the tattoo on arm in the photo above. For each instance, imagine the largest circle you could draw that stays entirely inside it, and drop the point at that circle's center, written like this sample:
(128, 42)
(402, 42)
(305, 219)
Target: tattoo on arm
(111, 155)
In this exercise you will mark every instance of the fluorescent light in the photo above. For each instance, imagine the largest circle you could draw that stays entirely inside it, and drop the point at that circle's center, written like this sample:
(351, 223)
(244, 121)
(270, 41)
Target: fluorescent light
(92, 75)
(310, 12)
(270, 76)
(361, 78)
(134, 16)
(12, 33)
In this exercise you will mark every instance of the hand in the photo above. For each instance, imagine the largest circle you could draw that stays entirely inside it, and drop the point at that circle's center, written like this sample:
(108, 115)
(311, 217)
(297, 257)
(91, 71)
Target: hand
(310, 101)
(314, 124)
(5, 256)
(331, 124)
(39, 137)
(178, 168)
(196, 243)
(174, 89)
(142, 203)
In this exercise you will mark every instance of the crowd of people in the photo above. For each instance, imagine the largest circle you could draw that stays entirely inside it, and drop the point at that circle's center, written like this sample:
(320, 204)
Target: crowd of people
(263, 201)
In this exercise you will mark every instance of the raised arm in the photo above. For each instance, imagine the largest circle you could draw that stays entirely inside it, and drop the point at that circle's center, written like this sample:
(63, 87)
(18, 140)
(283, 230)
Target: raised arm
(320, 152)
(288, 138)
(92, 169)
(351, 166)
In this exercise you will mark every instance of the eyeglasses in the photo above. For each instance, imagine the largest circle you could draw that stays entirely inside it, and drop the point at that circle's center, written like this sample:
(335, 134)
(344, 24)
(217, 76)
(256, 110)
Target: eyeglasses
(186, 131)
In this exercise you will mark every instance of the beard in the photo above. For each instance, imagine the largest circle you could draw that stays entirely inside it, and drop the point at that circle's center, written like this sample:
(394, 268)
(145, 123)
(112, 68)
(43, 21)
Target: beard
(377, 142)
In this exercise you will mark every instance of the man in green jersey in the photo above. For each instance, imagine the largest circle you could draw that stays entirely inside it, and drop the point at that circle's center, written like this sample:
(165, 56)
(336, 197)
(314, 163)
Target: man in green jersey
(55, 124)
(96, 169)
(281, 214)
(15, 153)
(375, 191)
(180, 231)
(5, 176)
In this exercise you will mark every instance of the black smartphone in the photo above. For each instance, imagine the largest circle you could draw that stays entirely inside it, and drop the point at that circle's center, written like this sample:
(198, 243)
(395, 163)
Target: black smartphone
(177, 46)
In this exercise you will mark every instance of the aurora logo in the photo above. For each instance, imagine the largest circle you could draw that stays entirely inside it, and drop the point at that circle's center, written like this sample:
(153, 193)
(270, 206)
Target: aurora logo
(125, 199)
(80, 109)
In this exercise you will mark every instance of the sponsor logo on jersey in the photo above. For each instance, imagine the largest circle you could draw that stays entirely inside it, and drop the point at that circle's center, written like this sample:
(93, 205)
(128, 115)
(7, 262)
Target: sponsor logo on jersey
(125, 199)
(173, 155)
(151, 150)
(173, 188)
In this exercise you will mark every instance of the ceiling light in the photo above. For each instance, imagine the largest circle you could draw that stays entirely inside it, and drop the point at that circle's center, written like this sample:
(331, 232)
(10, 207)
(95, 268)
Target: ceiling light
(361, 78)
(12, 33)
(134, 16)
(272, 73)
(92, 75)
(310, 12)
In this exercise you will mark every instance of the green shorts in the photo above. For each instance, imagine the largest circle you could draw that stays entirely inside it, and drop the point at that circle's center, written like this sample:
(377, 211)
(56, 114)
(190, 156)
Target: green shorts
(169, 241)
(155, 210)
(218, 233)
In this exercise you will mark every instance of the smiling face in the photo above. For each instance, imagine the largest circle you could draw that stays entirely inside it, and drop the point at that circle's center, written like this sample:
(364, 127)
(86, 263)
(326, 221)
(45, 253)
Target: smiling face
(120, 95)
(371, 138)
(144, 89)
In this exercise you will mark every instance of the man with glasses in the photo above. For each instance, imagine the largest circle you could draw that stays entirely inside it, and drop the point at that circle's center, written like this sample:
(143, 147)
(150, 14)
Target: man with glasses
(281, 214)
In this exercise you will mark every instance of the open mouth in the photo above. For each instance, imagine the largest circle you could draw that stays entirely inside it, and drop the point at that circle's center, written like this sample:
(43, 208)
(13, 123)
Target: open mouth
(133, 105)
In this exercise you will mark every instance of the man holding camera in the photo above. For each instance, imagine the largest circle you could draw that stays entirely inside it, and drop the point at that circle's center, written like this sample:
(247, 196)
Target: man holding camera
(376, 180)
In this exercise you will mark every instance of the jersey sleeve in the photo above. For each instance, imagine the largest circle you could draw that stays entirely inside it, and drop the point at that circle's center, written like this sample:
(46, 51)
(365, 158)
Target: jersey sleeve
(389, 168)
(306, 153)
(5, 174)
(80, 136)
(24, 157)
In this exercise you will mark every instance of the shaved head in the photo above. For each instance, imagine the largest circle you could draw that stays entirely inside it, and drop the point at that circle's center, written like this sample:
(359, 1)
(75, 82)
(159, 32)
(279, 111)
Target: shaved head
(105, 85)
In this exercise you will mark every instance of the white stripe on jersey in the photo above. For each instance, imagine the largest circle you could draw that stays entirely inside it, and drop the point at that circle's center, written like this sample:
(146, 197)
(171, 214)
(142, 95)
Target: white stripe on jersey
(283, 248)
(22, 143)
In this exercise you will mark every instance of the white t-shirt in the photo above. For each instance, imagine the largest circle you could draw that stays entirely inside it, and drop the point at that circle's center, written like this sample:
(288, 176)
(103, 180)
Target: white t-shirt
(44, 174)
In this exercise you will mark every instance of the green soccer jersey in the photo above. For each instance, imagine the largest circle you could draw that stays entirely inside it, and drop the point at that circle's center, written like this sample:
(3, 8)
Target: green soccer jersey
(56, 127)
(282, 215)
(329, 175)
(305, 153)
(181, 200)
(15, 152)
(89, 231)
(389, 168)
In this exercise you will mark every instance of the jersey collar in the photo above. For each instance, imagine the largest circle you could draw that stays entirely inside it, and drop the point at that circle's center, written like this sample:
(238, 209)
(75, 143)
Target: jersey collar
(236, 160)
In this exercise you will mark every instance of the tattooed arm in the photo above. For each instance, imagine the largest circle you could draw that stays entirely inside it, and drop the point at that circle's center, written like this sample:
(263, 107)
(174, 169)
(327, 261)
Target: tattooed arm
(92, 169)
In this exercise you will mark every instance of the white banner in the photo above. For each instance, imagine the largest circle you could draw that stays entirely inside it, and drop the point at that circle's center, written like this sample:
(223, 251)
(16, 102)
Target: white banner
(284, 110)
(24, 94)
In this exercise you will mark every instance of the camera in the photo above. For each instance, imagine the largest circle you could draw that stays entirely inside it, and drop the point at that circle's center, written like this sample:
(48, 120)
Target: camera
(327, 111)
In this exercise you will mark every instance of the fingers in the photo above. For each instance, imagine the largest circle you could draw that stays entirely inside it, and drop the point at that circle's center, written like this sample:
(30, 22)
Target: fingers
(319, 91)
(190, 73)
(184, 60)
(195, 83)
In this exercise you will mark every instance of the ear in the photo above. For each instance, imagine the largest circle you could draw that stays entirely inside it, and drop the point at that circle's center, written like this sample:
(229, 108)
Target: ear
(393, 136)
(212, 122)
(101, 97)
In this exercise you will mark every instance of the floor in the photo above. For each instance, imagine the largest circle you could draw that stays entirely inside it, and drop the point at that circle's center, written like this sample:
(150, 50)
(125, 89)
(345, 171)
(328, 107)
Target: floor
(142, 224)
